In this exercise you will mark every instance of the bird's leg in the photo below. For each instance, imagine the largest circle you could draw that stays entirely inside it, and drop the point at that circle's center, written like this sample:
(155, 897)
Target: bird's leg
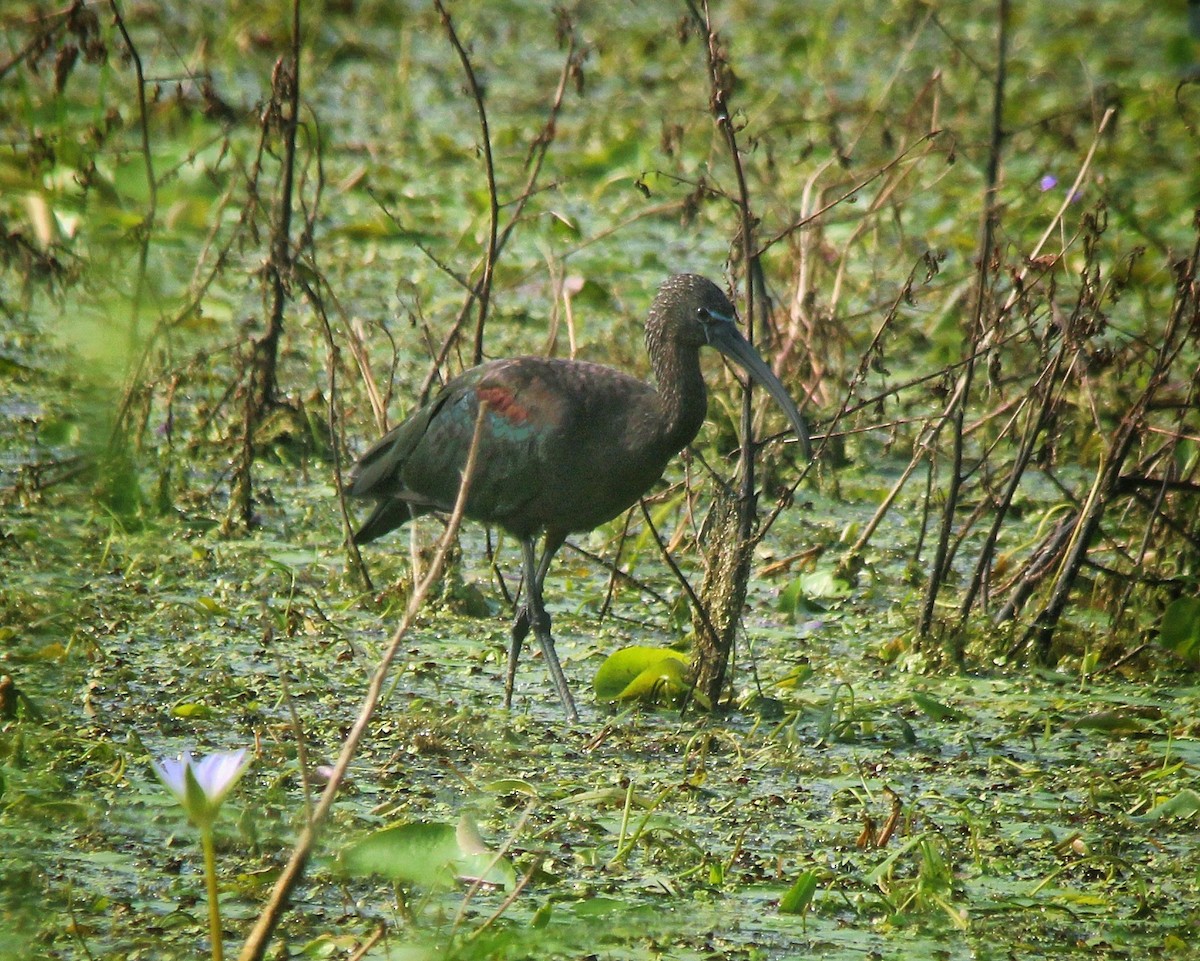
(520, 630)
(532, 615)
(520, 627)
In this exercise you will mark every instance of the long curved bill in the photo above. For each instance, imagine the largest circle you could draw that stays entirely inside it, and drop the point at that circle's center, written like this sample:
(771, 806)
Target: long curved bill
(726, 338)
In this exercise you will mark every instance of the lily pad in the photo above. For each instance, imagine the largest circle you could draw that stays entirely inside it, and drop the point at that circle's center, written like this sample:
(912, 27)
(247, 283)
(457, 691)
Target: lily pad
(431, 855)
(642, 673)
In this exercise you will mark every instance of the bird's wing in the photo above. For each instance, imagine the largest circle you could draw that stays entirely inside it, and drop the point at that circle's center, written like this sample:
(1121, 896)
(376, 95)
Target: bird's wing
(554, 449)
(378, 472)
(420, 461)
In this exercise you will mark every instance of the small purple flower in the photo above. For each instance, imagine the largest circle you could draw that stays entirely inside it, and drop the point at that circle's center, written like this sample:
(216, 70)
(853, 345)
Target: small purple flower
(1048, 182)
(200, 786)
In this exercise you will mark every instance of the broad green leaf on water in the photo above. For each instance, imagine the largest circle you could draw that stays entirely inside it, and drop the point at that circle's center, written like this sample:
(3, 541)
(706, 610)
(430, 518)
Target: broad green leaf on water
(1115, 721)
(597, 907)
(413, 853)
(1180, 629)
(796, 677)
(207, 605)
(291, 558)
(1078, 899)
(795, 605)
(430, 855)
(936, 709)
(1184, 804)
(191, 710)
(824, 584)
(664, 680)
(803, 597)
(767, 708)
(799, 896)
(648, 673)
(511, 785)
(611, 797)
(476, 861)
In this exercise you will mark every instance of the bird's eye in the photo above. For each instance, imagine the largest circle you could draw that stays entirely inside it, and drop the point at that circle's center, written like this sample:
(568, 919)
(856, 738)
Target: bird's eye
(703, 315)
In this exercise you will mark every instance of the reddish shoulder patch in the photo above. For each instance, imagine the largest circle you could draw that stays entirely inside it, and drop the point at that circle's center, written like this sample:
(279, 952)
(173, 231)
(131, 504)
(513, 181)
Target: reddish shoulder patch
(502, 401)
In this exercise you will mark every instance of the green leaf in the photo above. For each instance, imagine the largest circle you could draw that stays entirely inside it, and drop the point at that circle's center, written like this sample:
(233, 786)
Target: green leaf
(597, 907)
(824, 583)
(207, 605)
(644, 673)
(1184, 804)
(1115, 721)
(511, 785)
(936, 709)
(794, 604)
(192, 710)
(407, 853)
(799, 896)
(476, 861)
(1180, 629)
(430, 855)
(803, 596)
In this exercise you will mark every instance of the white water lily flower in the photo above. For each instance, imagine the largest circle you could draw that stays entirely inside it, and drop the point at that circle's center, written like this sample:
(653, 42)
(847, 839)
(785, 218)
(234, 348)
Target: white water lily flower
(201, 786)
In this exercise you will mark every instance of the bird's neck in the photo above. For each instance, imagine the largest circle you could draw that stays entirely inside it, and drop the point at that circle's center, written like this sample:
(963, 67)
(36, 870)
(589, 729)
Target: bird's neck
(682, 398)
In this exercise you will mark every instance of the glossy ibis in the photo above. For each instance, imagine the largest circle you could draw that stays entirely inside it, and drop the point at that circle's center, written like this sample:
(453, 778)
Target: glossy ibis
(565, 445)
